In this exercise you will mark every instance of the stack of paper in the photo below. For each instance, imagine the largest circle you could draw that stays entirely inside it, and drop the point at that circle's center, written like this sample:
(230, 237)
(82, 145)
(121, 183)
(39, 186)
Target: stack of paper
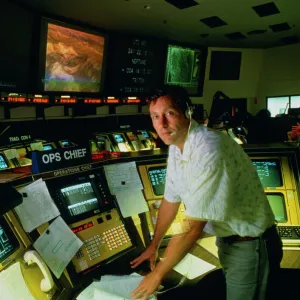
(113, 288)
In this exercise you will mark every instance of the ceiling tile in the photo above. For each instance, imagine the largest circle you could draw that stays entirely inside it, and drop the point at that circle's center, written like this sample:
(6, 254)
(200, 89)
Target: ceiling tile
(280, 27)
(213, 22)
(235, 36)
(293, 39)
(266, 9)
(182, 4)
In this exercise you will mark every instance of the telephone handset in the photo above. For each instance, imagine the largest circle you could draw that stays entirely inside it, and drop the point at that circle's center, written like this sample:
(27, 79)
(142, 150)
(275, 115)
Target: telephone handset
(47, 282)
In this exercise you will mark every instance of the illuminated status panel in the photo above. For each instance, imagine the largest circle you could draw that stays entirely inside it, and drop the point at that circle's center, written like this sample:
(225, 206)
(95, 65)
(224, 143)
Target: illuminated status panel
(80, 198)
(157, 177)
(269, 172)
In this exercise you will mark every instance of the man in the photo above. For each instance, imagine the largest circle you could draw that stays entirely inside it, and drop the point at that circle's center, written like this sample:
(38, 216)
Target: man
(221, 191)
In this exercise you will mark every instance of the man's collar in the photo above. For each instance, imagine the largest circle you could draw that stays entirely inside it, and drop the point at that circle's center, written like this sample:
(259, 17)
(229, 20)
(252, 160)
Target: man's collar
(187, 149)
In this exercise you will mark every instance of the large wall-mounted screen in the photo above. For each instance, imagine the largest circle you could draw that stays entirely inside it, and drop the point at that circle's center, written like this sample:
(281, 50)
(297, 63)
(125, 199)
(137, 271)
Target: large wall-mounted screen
(72, 59)
(185, 67)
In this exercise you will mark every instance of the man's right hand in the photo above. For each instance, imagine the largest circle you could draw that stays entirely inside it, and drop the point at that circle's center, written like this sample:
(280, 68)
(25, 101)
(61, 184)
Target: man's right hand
(150, 254)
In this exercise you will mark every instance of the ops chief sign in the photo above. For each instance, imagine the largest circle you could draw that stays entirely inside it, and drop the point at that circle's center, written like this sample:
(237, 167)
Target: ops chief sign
(44, 161)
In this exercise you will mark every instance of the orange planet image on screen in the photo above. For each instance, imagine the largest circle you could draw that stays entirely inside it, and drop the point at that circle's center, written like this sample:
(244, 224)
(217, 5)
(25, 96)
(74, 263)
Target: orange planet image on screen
(74, 60)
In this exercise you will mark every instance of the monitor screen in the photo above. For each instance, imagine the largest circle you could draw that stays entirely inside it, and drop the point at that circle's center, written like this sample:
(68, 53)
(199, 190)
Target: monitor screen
(119, 138)
(269, 172)
(184, 67)
(157, 177)
(8, 241)
(72, 58)
(65, 143)
(47, 147)
(278, 207)
(80, 198)
(3, 164)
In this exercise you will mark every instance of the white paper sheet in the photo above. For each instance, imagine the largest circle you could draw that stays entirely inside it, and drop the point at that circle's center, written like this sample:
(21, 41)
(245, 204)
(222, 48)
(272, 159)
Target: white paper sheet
(87, 293)
(191, 266)
(57, 246)
(37, 207)
(12, 284)
(122, 177)
(117, 287)
(131, 202)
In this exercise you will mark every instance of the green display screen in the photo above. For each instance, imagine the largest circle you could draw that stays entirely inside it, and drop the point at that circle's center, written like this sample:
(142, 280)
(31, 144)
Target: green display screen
(183, 66)
(157, 177)
(8, 242)
(278, 207)
(269, 172)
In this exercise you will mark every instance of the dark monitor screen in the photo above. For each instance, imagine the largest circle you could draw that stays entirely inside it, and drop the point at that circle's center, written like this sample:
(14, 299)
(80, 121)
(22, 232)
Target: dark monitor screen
(3, 164)
(157, 177)
(8, 241)
(277, 204)
(269, 172)
(119, 138)
(80, 198)
(47, 147)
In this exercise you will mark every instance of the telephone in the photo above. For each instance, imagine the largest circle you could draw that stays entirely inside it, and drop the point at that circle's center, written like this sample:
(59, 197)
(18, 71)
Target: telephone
(32, 257)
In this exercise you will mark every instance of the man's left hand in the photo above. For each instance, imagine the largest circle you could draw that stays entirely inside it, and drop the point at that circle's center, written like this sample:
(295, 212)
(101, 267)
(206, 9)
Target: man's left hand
(148, 285)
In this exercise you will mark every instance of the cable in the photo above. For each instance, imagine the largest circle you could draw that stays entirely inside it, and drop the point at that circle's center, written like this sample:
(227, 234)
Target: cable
(181, 282)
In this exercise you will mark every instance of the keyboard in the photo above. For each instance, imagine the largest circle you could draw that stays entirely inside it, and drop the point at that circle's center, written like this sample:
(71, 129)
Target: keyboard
(289, 232)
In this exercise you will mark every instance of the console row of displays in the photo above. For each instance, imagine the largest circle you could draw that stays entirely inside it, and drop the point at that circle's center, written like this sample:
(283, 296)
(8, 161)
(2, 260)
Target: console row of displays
(276, 177)
(18, 155)
(128, 141)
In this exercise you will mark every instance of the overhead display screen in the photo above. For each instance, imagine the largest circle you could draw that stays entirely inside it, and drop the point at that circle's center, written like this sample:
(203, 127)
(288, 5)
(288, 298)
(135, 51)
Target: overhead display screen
(74, 60)
(185, 68)
(135, 65)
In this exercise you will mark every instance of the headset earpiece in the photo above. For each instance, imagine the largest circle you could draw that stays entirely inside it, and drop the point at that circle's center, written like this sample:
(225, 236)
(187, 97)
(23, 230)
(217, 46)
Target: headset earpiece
(189, 111)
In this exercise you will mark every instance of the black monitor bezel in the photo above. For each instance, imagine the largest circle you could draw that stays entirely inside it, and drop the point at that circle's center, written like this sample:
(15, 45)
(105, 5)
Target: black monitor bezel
(55, 186)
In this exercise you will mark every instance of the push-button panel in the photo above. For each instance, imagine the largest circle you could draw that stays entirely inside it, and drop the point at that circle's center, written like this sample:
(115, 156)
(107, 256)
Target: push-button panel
(179, 225)
(104, 235)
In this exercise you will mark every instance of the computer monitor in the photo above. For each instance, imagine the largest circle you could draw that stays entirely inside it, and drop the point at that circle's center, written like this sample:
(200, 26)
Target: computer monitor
(269, 172)
(48, 147)
(80, 198)
(13, 239)
(157, 176)
(153, 179)
(3, 163)
(278, 205)
(71, 58)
